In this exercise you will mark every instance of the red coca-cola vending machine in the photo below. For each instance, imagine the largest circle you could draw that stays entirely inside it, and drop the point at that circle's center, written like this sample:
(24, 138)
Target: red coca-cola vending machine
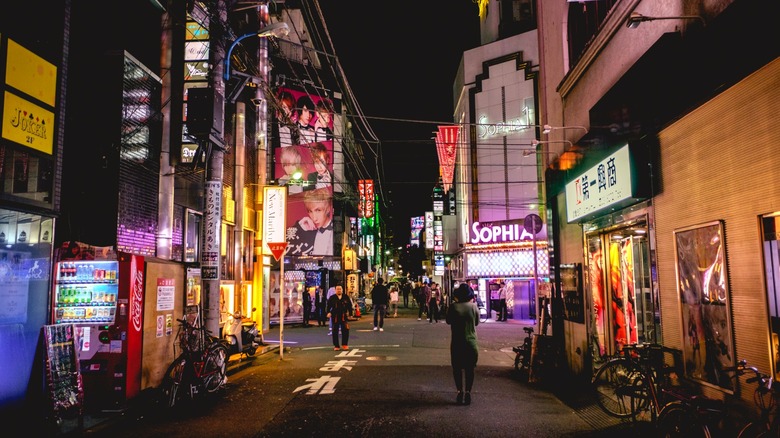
(101, 292)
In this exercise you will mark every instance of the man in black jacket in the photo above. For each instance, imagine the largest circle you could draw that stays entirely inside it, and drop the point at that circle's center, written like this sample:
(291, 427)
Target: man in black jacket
(380, 297)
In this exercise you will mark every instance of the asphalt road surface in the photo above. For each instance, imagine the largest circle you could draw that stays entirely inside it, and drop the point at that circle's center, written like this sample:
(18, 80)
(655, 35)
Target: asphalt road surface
(395, 383)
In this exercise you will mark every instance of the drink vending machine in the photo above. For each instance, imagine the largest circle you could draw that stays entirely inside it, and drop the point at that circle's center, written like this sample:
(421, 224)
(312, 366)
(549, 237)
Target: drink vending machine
(103, 298)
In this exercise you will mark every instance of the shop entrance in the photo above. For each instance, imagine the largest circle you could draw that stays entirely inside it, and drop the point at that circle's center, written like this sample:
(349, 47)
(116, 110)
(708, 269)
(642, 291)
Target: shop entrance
(625, 306)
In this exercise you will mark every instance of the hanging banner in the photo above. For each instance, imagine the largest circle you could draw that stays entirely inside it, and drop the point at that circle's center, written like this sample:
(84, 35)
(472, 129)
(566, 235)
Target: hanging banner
(446, 142)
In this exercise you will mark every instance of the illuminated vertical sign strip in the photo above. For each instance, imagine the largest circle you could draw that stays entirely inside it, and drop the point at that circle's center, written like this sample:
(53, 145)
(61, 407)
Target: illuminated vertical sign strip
(429, 230)
(369, 198)
(362, 198)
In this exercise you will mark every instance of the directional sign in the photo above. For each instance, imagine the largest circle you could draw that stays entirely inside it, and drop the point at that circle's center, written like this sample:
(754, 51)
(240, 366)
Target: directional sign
(277, 249)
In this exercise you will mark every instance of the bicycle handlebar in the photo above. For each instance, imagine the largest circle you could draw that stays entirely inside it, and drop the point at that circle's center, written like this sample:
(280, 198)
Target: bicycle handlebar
(742, 368)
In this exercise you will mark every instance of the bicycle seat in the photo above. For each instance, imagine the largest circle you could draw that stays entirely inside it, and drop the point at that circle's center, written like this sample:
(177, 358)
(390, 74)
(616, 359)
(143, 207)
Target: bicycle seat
(528, 330)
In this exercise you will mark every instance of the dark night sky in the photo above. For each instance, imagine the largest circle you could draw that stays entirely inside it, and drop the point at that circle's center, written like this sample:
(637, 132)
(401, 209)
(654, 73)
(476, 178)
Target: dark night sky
(400, 59)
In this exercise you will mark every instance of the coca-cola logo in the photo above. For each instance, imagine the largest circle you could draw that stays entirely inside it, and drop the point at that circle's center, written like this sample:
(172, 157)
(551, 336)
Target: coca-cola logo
(136, 299)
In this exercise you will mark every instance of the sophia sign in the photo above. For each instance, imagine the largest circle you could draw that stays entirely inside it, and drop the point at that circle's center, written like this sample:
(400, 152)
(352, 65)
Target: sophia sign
(499, 232)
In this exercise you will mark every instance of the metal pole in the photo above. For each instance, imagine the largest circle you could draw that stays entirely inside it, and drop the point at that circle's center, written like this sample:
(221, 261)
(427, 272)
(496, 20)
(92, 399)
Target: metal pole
(281, 305)
(239, 169)
(536, 275)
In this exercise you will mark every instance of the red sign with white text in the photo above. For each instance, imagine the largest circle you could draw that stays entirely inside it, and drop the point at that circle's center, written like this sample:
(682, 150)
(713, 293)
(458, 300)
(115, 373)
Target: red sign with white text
(277, 249)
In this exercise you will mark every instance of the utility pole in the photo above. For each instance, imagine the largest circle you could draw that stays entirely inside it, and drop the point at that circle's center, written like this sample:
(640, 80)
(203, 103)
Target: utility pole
(212, 229)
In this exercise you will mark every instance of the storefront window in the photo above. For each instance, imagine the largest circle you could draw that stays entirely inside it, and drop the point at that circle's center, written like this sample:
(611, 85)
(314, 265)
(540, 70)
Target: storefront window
(192, 236)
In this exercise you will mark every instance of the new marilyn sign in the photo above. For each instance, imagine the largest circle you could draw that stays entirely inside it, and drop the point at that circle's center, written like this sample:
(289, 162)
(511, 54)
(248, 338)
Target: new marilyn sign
(274, 220)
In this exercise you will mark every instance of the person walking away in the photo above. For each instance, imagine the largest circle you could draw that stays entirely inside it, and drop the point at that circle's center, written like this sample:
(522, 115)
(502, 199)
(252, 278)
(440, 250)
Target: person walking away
(405, 289)
(502, 302)
(331, 292)
(307, 306)
(463, 318)
(394, 300)
(339, 309)
(379, 299)
(423, 296)
(433, 303)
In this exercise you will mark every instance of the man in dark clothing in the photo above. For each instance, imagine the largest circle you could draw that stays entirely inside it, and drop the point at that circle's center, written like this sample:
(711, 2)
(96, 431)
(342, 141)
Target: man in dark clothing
(306, 297)
(423, 296)
(339, 310)
(405, 289)
(380, 297)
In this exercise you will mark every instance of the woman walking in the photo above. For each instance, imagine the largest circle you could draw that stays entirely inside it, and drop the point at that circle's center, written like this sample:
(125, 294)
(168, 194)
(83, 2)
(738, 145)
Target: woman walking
(463, 317)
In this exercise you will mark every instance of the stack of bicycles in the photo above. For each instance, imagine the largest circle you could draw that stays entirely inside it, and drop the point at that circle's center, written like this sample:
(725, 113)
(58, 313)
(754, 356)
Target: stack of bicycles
(636, 384)
(200, 367)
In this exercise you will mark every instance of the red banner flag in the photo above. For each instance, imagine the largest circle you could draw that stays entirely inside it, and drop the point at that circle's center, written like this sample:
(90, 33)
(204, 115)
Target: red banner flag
(446, 145)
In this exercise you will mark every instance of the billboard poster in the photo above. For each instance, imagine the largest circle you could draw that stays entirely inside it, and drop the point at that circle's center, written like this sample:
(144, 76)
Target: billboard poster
(304, 164)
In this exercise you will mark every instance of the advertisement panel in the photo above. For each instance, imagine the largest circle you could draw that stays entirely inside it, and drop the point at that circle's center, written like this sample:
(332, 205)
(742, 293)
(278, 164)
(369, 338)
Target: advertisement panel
(304, 164)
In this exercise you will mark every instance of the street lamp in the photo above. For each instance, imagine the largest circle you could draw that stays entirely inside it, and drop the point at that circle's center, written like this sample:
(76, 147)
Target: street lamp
(546, 129)
(278, 29)
(636, 18)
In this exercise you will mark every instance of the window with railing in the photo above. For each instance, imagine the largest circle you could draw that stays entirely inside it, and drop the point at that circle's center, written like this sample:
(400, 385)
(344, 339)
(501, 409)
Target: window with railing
(585, 20)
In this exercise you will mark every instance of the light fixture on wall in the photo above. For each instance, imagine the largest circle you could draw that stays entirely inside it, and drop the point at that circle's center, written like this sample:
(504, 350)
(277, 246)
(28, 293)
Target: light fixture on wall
(536, 142)
(636, 18)
(546, 129)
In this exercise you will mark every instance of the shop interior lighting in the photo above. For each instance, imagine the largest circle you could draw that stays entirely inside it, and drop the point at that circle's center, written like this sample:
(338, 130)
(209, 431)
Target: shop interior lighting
(635, 19)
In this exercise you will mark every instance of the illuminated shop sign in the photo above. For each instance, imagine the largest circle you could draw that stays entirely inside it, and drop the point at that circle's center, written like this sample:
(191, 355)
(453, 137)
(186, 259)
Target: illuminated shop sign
(607, 183)
(428, 230)
(524, 122)
(500, 232)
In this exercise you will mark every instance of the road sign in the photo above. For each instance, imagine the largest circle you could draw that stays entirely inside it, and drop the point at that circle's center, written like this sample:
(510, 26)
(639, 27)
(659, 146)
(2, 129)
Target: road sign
(277, 249)
(533, 224)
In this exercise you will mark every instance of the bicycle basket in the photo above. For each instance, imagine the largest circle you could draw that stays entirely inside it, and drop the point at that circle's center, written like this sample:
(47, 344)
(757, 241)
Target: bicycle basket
(191, 339)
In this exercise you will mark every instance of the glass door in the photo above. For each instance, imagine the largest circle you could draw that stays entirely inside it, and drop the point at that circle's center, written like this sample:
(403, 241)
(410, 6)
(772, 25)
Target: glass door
(620, 290)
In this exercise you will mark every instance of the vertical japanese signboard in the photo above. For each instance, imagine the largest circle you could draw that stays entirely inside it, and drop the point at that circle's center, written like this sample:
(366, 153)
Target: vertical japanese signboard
(209, 266)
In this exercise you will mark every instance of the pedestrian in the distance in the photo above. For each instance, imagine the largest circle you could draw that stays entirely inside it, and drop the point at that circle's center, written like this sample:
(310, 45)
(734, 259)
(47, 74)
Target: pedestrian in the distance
(394, 300)
(306, 298)
(433, 303)
(502, 310)
(380, 297)
(320, 300)
(331, 292)
(423, 296)
(463, 318)
(339, 310)
(405, 290)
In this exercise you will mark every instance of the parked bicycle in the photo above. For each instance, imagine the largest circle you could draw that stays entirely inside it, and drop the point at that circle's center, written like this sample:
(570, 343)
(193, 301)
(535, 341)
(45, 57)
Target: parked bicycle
(697, 416)
(635, 383)
(201, 367)
(765, 397)
(523, 351)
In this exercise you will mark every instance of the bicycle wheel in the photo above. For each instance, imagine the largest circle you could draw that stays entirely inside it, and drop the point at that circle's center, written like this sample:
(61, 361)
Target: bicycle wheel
(215, 369)
(483, 315)
(755, 429)
(172, 381)
(618, 386)
(677, 419)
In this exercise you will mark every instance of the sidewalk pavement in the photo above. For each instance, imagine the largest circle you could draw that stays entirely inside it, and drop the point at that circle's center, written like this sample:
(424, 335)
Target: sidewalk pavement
(574, 394)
